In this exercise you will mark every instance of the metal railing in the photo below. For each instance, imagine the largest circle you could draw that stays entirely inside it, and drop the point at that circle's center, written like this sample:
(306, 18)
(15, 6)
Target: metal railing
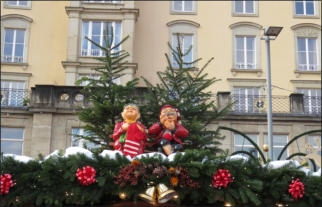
(14, 97)
(12, 59)
(258, 104)
(312, 104)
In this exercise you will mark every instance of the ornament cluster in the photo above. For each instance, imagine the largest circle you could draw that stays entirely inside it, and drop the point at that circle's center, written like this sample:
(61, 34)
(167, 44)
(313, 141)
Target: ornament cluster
(6, 183)
(136, 171)
(296, 189)
(86, 175)
(221, 178)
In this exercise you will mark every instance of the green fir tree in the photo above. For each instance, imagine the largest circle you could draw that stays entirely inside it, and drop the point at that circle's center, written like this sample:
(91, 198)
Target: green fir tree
(185, 87)
(107, 97)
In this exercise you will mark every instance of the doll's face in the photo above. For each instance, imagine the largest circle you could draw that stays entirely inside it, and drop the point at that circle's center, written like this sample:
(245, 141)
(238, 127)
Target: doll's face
(131, 112)
(169, 113)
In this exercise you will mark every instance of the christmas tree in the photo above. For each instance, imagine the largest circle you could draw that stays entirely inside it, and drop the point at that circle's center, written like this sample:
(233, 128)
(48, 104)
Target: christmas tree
(185, 87)
(106, 96)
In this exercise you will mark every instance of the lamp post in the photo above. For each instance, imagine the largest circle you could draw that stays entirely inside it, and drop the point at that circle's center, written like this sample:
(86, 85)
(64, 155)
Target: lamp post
(270, 33)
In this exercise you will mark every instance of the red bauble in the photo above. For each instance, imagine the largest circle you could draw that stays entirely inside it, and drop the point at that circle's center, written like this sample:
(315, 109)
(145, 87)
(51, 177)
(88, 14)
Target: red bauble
(221, 178)
(6, 183)
(86, 175)
(296, 189)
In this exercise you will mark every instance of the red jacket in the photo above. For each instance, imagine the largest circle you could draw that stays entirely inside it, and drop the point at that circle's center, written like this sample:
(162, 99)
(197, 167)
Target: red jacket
(135, 139)
(178, 133)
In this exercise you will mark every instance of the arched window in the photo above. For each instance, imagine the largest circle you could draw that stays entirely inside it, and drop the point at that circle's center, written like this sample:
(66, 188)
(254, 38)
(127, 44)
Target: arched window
(246, 45)
(187, 32)
(307, 47)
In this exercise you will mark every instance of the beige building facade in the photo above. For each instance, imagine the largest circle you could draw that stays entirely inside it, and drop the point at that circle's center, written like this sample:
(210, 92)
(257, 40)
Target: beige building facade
(44, 52)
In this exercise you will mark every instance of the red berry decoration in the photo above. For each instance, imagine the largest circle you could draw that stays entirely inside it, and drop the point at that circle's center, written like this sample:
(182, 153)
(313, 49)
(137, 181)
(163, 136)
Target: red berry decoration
(86, 175)
(296, 189)
(6, 183)
(221, 178)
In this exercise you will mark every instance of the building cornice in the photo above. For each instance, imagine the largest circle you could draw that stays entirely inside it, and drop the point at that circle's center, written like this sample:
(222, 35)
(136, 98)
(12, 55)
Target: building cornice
(93, 64)
(16, 74)
(183, 21)
(252, 24)
(70, 9)
(246, 80)
(297, 26)
(16, 16)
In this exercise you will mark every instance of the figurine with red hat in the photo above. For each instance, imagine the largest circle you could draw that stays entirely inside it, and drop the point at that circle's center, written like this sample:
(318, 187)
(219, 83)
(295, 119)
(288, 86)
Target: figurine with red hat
(169, 130)
(129, 135)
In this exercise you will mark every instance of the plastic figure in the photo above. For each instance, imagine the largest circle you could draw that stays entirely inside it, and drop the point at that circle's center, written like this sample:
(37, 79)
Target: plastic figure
(129, 135)
(169, 130)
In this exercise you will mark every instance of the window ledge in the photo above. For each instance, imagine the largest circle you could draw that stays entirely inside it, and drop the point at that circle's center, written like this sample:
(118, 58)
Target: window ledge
(183, 13)
(244, 15)
(259, 72)
(16, 7)
(299, 72)
(15, 64)
(102, 3)
(306, 16)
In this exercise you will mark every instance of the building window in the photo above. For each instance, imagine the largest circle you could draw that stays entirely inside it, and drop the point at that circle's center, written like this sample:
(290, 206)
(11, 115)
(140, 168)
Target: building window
(305, 8)
(244, 99)
(242, 144)
(315, 142)
(95, 30)
(103, 1)
(12, 140)
(13, 93)
(14, 42)
(279, 142)
(312, 100)
(17, 4)
(183, 6)
(307, 54)
(245, 52)
(244, 7)
(186, 41)
(76, 142)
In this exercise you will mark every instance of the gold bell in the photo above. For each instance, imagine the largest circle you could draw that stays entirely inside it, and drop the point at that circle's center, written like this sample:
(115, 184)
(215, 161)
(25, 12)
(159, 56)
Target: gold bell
(164, 193)
(150, 195)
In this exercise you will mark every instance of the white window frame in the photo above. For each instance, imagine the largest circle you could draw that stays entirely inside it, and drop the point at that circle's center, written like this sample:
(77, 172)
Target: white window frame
(181, 39)
(307, 65)
(193, 8)
(17, 5)
(304, 8)
(88, 52)
(244, 8)
(246, 146)
(277, 146)
(310, 108)
(15, 140)
(13, 57)
(245, 53)
(103, 1)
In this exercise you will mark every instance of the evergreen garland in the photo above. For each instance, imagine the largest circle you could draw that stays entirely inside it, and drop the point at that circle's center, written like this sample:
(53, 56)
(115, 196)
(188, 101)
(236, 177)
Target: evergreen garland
(53, 182)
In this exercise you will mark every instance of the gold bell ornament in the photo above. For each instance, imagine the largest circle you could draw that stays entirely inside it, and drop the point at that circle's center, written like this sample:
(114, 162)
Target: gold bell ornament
(164, 193)
(150, 195)
(157, 194)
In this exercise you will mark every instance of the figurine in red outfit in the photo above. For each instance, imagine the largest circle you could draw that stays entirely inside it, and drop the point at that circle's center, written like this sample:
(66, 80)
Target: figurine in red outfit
(169, 130)
(129, 135)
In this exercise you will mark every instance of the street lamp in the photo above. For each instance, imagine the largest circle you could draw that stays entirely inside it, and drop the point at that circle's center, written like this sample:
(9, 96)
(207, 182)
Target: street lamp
(270, 33)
